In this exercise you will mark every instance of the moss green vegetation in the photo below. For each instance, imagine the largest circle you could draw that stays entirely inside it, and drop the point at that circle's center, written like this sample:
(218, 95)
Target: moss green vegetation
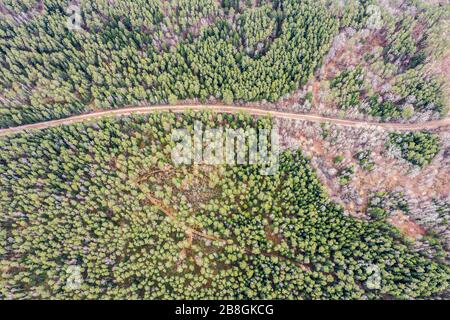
(364, 158)
(401, 56)
(128, 52)
(347, 87)
(427, 91)
(418, 148)
(382, 204)
(106, 198)
(412, 91)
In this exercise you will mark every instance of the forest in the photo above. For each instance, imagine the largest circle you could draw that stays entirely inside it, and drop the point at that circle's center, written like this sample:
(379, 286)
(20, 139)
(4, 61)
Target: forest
(157, 52)
(97, 209)
(418, 148)
(145, 55)
(105, 197)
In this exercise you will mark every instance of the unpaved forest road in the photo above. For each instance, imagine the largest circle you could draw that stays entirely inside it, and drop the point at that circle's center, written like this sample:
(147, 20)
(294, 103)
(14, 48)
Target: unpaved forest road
(229, 109)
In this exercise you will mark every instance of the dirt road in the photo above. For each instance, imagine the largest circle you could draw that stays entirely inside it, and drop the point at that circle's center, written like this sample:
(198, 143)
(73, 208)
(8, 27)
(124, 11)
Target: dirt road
(229, 109)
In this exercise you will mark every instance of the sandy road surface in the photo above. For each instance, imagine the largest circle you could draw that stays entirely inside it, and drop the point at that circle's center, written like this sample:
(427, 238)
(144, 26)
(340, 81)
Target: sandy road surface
(229, 109)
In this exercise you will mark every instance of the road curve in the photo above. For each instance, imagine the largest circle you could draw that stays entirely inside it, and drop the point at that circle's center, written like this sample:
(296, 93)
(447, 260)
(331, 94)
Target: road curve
(229, 109)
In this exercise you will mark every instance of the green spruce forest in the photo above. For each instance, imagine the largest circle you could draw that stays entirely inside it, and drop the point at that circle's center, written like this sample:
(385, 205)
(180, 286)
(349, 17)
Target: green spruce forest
(134, 52)
(105, 197)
